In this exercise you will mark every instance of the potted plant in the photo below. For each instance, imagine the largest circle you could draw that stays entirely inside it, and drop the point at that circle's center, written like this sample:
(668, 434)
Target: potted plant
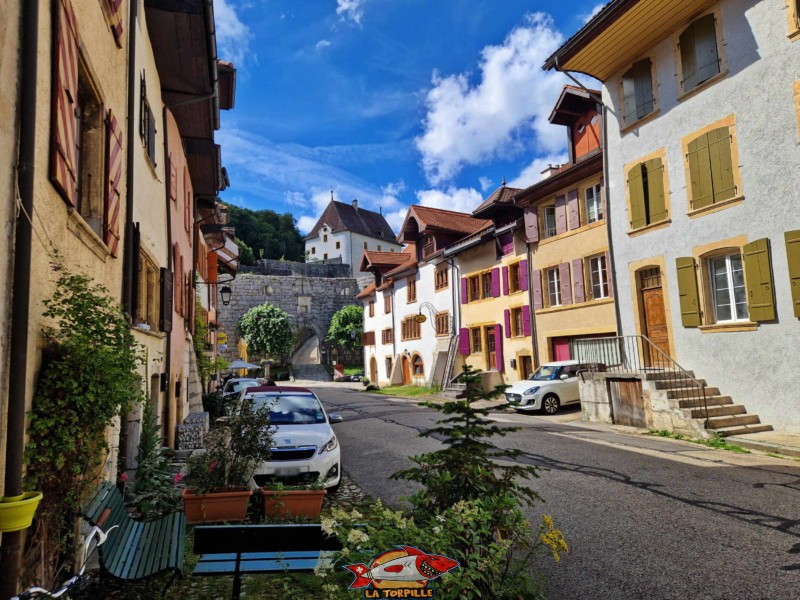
(283, 501)
(217, 479)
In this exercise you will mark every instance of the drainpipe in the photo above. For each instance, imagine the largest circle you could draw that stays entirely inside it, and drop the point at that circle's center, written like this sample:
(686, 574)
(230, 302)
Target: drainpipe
(128, 260)
(18, 349)
(534, 329)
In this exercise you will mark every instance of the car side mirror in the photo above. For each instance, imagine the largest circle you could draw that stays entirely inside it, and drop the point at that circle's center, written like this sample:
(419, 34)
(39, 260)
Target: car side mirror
(564, 376)
(335, 418)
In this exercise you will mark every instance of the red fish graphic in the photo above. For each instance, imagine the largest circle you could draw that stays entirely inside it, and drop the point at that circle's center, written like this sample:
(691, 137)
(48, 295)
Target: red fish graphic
(416, 566)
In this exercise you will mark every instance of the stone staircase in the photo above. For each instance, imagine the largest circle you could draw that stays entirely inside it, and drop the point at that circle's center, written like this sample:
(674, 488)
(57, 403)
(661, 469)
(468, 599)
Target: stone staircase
(454, 391)
(311, 372)
(724, 417)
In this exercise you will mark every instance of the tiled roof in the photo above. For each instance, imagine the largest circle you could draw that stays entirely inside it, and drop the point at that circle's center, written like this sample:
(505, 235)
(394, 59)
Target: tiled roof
(447, 220)
(501, 195)
(346, 217)
(410, 252)
(367, 291)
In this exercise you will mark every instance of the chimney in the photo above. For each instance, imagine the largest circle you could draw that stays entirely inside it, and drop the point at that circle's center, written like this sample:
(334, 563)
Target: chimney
(549, 171)
(355, 204)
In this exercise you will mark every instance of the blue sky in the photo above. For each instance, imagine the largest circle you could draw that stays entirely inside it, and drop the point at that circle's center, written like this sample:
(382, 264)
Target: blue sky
(392, 102)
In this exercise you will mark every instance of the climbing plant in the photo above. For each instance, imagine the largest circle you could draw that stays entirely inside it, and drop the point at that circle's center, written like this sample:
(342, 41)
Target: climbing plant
(87, 379)
(206, 366)
(267, 330)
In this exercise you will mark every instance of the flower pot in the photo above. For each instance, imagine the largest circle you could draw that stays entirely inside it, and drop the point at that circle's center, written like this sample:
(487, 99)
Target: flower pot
(215, 506)
(292, 503)
(16, 512)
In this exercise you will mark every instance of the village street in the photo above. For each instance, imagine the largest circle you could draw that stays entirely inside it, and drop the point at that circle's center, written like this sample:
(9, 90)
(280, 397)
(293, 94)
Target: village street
(645, 517)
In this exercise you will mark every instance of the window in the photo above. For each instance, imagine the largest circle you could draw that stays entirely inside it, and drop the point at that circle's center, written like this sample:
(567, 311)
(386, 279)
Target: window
(513, 278)
(476, 338)
(417, 366)
(338, 245)
(506, 243)
(793, 15)
(387, 303)
(637, 92)
(549, 221)
(442, 323)
(387, 336)
(593, 204)
(698, 52)
(147, 125)
(712, 172)
(147, 306)
(553, 287)
(598, 274)
(89, 155)
(646, 193)
(517, 327)
(474, 288)
(325, 256)
(365, 245)
(410, 329)
(313, 250)
(324, 238)
(411, 288)
(728, 293)
(372, 308)
(388, 367)
(440, 277)
(379, 247)
(428, 246)
(486, 285)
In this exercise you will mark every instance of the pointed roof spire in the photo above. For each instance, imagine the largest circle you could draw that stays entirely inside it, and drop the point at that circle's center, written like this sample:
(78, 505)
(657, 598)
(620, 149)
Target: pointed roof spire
(331, 193)
(504, 182)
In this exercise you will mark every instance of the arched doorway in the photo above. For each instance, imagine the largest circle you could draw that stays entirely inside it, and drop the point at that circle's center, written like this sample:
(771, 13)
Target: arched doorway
(406, 364)
(307, 350)
(373, 370)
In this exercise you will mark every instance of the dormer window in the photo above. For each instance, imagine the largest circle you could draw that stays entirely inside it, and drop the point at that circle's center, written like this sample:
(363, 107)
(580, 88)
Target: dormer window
(428, 246)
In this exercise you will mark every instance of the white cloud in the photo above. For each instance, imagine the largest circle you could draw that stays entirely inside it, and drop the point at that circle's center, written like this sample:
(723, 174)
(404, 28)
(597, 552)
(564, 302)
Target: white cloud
(587, 16)
(486, 183)
(233, 36)
(304, 224)
(533, 172)
(503, 113)
(352, 10)
(459, 199)
(322, 44)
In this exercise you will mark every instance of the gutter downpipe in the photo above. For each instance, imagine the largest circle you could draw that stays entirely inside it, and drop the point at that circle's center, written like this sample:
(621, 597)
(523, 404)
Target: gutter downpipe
(128, 260)
(10, 550)
(611, 258)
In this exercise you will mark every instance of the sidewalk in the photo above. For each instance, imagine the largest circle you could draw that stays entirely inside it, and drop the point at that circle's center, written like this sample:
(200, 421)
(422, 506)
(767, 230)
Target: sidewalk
(774, 442)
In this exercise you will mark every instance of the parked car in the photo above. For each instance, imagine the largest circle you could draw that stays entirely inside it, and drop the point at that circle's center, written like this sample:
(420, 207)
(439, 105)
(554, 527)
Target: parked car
(235, 385)
(357, 377)
(550, 387)
(306, 448)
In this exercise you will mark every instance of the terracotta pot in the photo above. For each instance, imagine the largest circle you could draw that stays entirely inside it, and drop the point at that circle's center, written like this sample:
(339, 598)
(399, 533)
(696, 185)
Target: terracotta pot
(292, 503)
(216, 506)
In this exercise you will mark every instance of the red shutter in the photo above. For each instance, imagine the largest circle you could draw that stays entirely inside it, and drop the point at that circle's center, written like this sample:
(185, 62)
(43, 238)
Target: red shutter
(577, 277)
(531, 219)
(498, 347)
(526, 320)
(537, 290)
(173, 180)
(566, 284)
(212, 267)
(64, 128)
(505, 281)
(507, 317)
(113, 199)
(561, 214)
(574, 212)
(463, 341)
(523, 275)
(464, 296)
(116, 20)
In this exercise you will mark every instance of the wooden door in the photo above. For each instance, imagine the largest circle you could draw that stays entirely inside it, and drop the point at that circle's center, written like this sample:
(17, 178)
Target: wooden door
(627, 402)
(406, 371)
(373, 371)
(491, 349)
(526, 366)
(655, 319)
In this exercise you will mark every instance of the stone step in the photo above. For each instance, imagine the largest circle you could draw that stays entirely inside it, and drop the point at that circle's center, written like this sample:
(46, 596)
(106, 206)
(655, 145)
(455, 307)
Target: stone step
(686, 393)
(741, 430)
(732, 421)
(661, 375)
(718, 411)
(452, 393)
(665, 384)
(710, 401)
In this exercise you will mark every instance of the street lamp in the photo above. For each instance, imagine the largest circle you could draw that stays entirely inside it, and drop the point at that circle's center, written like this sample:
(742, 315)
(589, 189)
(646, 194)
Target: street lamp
(225, 294)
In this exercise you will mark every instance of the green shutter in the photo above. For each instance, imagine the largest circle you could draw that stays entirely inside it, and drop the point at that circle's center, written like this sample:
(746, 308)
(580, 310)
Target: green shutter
(636, 191)
(758, 279)
(719, 151)
(687, 290)
(700, 172)
(656, 203)
(688, 58)
(793, 258)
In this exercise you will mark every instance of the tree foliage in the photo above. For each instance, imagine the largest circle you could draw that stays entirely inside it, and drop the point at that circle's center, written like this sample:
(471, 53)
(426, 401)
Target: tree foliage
(246, 256)
(269, 234)
(267, 330)
(347, 325)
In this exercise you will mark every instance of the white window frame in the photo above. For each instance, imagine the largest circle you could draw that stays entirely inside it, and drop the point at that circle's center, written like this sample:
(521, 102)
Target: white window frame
(735, 316)
(553, 277)
(548, 231)
(593, 203)
(598, 275)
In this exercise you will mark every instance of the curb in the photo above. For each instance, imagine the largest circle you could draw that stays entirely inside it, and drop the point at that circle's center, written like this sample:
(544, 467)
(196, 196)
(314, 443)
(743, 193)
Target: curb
(767, 447)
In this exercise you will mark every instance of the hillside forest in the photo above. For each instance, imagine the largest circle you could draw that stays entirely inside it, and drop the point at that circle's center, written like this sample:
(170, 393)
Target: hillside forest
(266, 234)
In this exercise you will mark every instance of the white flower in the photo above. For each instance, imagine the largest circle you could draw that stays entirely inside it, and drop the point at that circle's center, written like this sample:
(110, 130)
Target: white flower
(356, 536)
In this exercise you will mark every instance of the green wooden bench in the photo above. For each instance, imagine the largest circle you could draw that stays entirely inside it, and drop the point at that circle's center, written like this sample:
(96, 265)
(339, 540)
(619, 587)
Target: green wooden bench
(135, 549)
(249, 549)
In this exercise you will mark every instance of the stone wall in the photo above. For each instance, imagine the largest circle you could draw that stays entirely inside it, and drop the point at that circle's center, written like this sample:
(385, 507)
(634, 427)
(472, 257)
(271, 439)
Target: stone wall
(330, 268)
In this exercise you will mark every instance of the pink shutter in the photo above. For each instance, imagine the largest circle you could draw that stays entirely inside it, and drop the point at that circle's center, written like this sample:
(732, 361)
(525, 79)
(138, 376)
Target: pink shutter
(113, 197)
(463, 341)
(566, 284)
(603, 197)
(498, 347)
(173, 180)
(464, 297)
(523, 275)
(531, 219)
(537, 290)
(577, 279)
(495, 283)
(574, 212)
(116, 20)
(507, 316)
(505, 281)
(64, 127)
(561, 214)
(609, 279)
(526, 320)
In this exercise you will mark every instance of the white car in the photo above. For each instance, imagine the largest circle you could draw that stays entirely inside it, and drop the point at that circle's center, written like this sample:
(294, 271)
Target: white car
(552, 385)
(306, 449)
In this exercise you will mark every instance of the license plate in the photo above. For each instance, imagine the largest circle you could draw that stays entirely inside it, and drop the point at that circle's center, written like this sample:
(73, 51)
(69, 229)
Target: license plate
(290, 471)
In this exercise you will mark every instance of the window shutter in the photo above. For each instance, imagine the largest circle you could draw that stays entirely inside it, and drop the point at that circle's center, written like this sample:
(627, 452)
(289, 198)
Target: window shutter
(758, 279)
(656, 202)
(116, 20)
(505, 281)
(719, 152)
(629, 96)
(561, 214)
(212, 266)
(165, 321)
(113, 197)
(700, 172)
(463, 341)
(64, 127)
(173, 180)
(495, 283)
(687, 291)
(464, 296)
(688, 60)
(609, 278)
(566, 283)
(574, 211)
(498, 347)
(531, 219)
(793, 259)
(638, 216)
(705, 47)
(643, 84)
(523, 275)
(603, 198)
(526, 320)
(537, 289)
(507, 319)
(577, 275)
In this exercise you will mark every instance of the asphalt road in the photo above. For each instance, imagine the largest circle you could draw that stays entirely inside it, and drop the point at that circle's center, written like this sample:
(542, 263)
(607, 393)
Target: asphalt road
(645, 518)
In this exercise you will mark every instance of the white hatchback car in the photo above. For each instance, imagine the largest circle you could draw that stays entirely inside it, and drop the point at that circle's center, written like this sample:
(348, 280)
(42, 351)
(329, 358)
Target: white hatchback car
(550, 387)
(305, 447)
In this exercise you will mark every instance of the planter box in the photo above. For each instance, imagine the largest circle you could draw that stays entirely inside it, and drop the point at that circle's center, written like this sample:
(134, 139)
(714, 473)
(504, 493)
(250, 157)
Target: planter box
(216, 506)
(292, 503)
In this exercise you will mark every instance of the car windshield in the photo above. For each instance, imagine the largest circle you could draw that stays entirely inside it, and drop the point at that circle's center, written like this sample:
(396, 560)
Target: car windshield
(545, 373)
(238, 386)
(288, 409)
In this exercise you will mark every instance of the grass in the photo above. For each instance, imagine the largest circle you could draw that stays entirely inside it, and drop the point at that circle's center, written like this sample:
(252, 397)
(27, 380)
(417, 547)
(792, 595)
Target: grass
(353, 369)
(406, 391)
(716, 442)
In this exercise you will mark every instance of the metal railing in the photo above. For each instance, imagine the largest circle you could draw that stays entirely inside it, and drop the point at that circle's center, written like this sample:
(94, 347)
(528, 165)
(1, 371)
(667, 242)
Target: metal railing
(638, 355)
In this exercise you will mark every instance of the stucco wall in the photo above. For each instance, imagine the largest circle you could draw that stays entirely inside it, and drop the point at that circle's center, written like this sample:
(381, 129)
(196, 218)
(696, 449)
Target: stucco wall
(351, 247)
(758, 368)
(380, 351)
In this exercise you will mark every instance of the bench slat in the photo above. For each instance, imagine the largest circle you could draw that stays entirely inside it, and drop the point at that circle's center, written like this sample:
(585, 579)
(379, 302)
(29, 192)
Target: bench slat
(266, 555)
(255, 566)
(135, 563)
(96, 504)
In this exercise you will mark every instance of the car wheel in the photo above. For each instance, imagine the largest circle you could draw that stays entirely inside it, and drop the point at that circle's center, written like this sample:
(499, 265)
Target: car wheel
(550, 404)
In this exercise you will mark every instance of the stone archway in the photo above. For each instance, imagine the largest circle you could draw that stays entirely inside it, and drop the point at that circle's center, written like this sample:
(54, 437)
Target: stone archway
(307, 350)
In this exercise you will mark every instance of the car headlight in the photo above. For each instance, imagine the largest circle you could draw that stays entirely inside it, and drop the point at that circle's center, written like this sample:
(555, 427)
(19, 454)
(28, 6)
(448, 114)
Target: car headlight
(329, 446)
(530, 391)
